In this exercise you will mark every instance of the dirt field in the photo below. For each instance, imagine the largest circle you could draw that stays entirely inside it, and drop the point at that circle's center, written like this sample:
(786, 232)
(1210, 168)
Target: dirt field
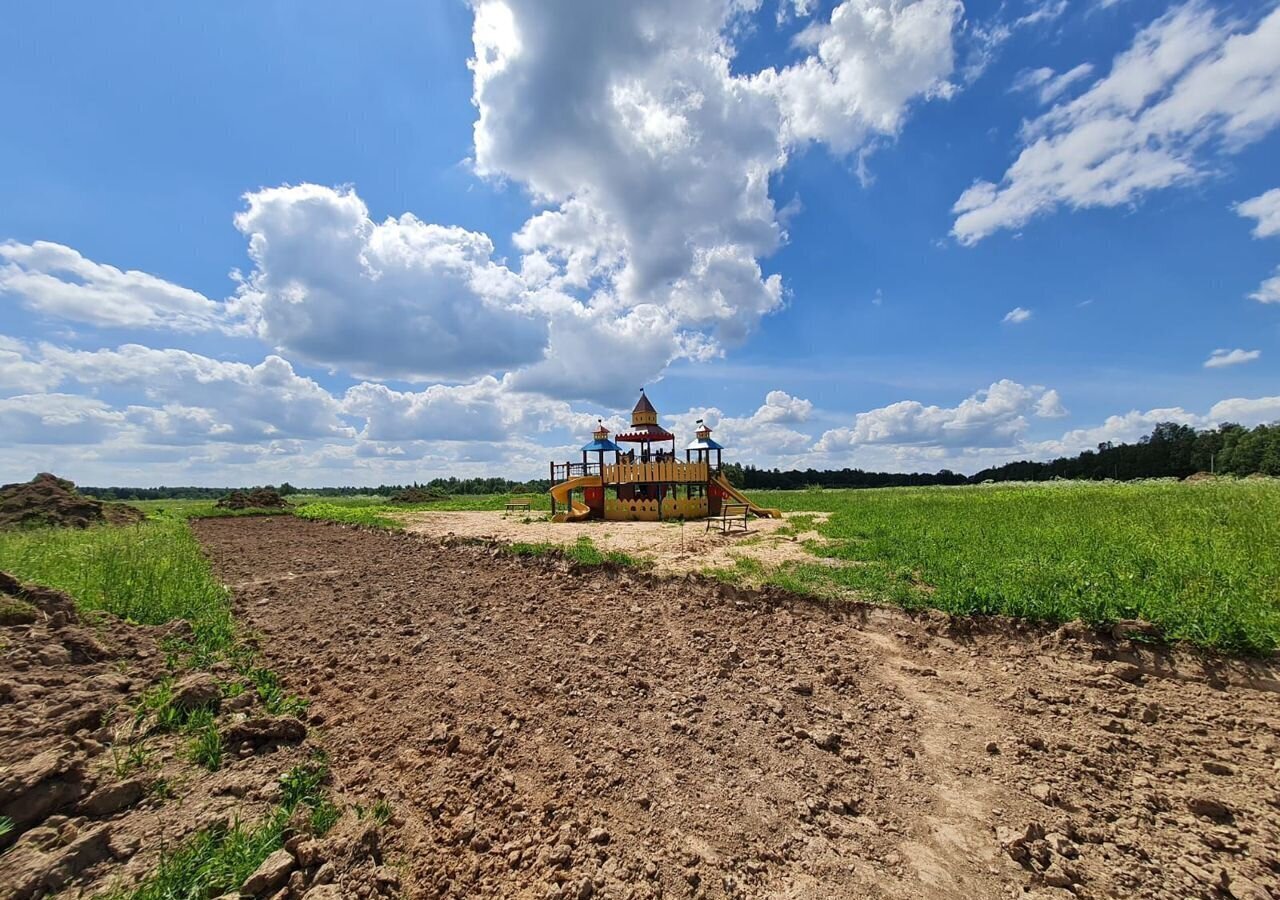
(542, 731)
(673, 550)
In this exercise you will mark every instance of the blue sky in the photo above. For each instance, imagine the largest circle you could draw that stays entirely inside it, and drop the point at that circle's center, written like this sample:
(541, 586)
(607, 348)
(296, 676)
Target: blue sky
(247, 242)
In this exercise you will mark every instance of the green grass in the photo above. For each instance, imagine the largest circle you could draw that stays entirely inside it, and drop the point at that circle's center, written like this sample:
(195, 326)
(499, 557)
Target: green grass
(583, 551)
(1202, 561)
(459, 503)
(350, 514)
(218, 860)
(197, 509)
(150, 573)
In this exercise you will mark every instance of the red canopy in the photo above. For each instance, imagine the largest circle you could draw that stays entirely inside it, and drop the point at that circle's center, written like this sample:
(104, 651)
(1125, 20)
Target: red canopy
(643, 434)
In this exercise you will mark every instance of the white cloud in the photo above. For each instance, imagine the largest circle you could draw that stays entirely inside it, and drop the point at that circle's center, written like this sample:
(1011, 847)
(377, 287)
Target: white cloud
(1223, 357)
(766, 438)
(1269, 290)
(655, 158)
(483, 410)
(1047, 84)
(1190, 86)
(1016, 316)
(56, 419)
(1265, 208)
(187, 398)
(865, 66)
(54, 280)
(1049, 406)
(19, 372)
(400, 298)
(1246, 411)
(995, 417)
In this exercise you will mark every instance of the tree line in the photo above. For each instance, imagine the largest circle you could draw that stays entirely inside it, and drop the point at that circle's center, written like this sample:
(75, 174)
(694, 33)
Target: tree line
(1169, 451)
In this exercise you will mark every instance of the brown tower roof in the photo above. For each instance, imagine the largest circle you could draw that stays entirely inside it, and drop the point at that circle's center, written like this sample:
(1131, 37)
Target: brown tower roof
(643, 404)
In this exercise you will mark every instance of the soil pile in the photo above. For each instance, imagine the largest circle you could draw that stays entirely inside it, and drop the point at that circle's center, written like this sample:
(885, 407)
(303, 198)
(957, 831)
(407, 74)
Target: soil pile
(50, 500)
(545, 730)
(417, 495)
(258, 498)
(95, 794)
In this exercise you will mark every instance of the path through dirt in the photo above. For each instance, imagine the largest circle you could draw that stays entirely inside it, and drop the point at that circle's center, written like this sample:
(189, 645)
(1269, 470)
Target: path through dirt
(541, 731)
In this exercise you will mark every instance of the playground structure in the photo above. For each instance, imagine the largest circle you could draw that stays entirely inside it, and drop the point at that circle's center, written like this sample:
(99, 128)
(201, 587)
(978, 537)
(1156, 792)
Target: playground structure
(648, 483)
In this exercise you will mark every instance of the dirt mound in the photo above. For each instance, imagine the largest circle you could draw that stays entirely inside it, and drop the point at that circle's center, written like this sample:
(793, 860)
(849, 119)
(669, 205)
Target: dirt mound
(258, 498)
(417, 495)
(548, 730)
(50, 500)
(95, 794)
(1200, 476)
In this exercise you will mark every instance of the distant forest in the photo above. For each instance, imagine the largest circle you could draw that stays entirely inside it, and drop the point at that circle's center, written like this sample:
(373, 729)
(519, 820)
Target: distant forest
(1169, 451)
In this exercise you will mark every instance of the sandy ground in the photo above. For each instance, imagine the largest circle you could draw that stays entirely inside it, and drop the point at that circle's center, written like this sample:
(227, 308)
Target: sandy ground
(548, 731)
(672, 548)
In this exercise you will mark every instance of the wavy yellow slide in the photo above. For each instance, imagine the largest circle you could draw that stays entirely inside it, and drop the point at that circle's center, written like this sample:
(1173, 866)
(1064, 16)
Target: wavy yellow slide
(563, 493)
(736, 494)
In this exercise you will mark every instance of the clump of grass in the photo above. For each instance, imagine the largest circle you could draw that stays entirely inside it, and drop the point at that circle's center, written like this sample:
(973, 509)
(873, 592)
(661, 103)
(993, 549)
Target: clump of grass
(582, 551)
(267, 685)
(6, 826)
(206, 744)
(150, 574)
(128, 757)
(368, 516)
(218, 860)
(380, 812)
(1197, 560)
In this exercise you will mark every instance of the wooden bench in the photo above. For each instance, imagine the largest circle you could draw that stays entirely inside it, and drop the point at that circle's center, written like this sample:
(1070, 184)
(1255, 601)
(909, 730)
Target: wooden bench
(731, 516)
(519, 504)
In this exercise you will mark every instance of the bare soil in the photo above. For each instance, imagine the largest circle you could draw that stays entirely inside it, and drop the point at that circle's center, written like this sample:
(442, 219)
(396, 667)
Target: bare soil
(93, 794)
(547, 731)
(672, 548)
(50, 500)
(258, 498)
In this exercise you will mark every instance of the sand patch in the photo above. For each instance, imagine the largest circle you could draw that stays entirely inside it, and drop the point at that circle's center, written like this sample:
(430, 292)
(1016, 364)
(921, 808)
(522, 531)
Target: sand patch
(672, 548)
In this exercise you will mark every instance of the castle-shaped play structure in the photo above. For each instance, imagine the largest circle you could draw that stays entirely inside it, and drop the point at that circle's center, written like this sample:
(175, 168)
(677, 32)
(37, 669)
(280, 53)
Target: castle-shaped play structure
(646, 483)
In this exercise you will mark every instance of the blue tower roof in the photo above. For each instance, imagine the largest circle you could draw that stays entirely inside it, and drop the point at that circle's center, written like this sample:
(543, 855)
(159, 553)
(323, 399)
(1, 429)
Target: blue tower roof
(604, 444)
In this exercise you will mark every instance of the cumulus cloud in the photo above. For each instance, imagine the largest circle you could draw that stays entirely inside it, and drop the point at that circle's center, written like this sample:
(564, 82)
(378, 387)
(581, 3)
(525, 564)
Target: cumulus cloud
(1016, 316)
(1269, 290)
(484, 410)
(1049, 406)
(20, 373)
(865, 65)
(767, 437)
(654, 157)
(1265, 209)
(55, 280)
(1246, 411)
(1223, 357)
(56, 419)
(400, 298)
(182, 397)
(995, 417)
(1191, 85)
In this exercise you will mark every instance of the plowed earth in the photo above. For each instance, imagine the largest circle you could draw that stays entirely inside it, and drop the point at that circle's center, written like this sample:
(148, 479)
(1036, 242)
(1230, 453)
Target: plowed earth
(545, 731)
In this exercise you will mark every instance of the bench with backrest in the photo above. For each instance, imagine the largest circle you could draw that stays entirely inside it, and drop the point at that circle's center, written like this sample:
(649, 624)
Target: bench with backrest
(519, 504)
(732, 515)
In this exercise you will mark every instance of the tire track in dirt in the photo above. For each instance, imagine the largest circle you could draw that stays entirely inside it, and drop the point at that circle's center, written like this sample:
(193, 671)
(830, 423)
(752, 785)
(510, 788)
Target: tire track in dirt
(547, 732)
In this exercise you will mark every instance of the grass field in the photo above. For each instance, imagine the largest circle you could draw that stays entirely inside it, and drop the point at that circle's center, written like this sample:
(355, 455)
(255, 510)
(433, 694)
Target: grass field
(1202, 561)
(150, 573)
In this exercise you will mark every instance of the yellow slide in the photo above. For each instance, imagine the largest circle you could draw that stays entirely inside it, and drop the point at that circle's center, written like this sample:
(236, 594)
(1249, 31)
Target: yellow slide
(562, 493)
(742, 498)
